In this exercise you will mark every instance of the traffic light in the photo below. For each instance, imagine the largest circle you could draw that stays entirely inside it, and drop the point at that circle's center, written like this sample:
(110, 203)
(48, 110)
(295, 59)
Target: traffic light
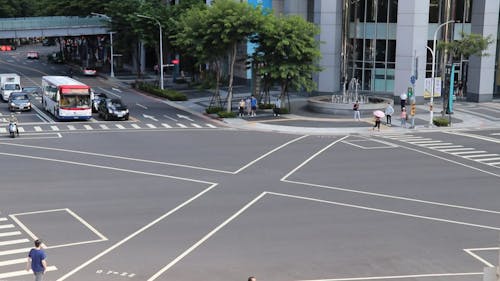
(410, 92)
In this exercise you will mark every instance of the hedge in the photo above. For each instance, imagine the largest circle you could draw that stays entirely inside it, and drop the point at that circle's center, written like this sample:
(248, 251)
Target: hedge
(225, 114)
(168, 93)
(440, 121)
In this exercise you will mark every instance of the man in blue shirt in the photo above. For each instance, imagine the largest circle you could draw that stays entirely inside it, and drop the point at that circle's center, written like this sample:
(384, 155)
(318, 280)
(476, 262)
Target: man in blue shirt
(36, 260)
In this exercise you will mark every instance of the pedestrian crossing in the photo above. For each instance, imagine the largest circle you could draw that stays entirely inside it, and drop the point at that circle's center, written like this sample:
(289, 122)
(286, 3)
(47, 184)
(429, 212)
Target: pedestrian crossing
(108, 126)
(14, 249)
(469, 153)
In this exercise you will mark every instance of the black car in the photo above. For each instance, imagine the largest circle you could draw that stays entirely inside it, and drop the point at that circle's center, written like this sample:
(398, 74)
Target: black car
(112, 109)
(96, 99)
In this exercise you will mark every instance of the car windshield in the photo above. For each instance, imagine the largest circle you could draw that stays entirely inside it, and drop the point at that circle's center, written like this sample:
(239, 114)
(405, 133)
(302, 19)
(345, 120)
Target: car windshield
(115, 103)
(12, 87)
(75, 101)
(20, 97)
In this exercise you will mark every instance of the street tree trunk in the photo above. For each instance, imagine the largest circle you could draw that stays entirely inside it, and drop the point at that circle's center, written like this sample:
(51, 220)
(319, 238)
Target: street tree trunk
(231, 75)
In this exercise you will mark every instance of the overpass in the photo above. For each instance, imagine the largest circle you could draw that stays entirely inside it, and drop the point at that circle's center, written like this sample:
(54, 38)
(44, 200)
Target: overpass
(52, 26)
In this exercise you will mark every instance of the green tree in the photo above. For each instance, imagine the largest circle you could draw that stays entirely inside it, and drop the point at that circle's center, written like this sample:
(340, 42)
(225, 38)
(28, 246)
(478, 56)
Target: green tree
(288, 53)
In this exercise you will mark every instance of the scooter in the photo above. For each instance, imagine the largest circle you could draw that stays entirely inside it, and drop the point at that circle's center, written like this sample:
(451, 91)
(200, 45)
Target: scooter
(13, 130)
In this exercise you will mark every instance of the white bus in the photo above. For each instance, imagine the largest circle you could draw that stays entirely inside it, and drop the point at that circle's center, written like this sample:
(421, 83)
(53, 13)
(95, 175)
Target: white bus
(66, 98)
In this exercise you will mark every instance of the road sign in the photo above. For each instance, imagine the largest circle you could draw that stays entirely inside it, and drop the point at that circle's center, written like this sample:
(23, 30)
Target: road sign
(413, 79)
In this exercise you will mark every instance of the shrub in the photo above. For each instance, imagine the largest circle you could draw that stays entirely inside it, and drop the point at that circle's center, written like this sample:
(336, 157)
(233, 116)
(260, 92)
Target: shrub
(225, 114)
(168, 93)
(265, 105)
(216, 109)
(284, 110)
(440, 121)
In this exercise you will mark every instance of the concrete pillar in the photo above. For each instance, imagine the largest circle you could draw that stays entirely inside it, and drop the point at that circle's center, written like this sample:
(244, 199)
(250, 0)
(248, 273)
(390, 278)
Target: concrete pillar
(411, 39)
(295, 7)
(481, 74)
(328, 16)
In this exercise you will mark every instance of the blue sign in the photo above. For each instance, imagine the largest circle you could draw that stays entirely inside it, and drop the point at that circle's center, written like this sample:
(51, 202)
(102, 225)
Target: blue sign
(413, 79)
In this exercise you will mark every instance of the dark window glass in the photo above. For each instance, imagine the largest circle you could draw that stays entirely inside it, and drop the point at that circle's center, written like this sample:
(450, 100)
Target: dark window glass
(380, 50)
(358, 11)
(434, 11)
(391, 65)
(367, 79)
(380, 65)
(391, 50)
(358, 49)
(310, 10)
(382, 11)
(459, 10)
(393, 11)
(370, 11)
(369, 49)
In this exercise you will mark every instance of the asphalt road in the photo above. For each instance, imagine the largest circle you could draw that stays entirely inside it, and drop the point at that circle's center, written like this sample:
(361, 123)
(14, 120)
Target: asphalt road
(222, 204)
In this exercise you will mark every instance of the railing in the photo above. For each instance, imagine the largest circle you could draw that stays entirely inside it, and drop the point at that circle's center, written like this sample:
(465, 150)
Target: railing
(49, 22)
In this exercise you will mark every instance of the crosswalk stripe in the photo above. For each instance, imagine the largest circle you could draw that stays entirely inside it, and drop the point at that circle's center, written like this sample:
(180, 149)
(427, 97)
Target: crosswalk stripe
(12, 242)
(495, 134)
(424, 142)
(456, 149)
(21, 129)
(481, 155)
(88, 127)
(436, 144)
(487, 159)
(181, 125)
(23, 272)
(71, 127)
(3, 226)
(195, 125)
(119, 126)
(3, 219)
(446, 147)
(419, 140)
(12, 233)
(494, 164)
(463, 153)
(54, 128)
(135, 126)
(15, 251)
(3, 130)
(103, 126)
(11, 262)
(151, 126)
(166, 125)
(210, 125)
(37, 128)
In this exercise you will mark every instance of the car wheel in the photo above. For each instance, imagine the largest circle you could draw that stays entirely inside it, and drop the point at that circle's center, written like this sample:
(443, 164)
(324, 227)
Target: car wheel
(125, 118)
(106, 117)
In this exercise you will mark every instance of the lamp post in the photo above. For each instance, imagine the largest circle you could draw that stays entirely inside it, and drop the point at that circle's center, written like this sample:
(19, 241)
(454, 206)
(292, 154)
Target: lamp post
(161, 46)
(112, 73)
(433, 53)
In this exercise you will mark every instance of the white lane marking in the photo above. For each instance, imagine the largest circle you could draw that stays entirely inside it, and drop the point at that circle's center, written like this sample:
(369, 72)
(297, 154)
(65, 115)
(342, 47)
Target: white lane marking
(120, 126)
(173, 119)
(135, 126)
(111, 93)
(103, 126)
(3, 130)
(151, 126)
(430, 145)
(88, 127)
(150, 117)
(195, 125)
(425, 142)
(12, 233)
(480, 155)
(400, 276)
(44, 117)
(495, 134)
(185, 117)
(21, 129)
(4, 226)
(471, 252)
(37, 128)
(54, 128)
(139, 231)
(71, 127)
(312, 157)
(23, 272)
(457, 149)
(11, 262)
(12, 242)
(181, 125)
(446, 147)
(204, 238)
(141, 106)
(474, 136)
(210, 125)
(464, 153)
(115, 89)
(166, 125)
(494, 164)
(268, 153)
(487, 159)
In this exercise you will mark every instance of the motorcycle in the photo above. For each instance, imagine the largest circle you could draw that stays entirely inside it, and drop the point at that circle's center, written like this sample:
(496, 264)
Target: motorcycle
(13, 130)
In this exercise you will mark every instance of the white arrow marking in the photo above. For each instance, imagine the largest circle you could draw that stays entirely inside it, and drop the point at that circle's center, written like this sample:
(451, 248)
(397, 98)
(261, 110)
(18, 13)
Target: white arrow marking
(140, 105)
(149, 117)
(115, 89)
(185, 117)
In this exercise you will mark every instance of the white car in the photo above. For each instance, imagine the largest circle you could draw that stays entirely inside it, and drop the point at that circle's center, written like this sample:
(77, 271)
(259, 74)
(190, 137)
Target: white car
(32, 55)
(89, 71)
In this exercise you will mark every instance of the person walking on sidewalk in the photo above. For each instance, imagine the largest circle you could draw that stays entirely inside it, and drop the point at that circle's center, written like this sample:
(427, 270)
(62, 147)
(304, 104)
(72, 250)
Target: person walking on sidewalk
(389, 110)
(357, 114)
(36, 260)
(248, 101)
(377, 123)
(403, 117)
(241, 106)
(277, 107)
(253, 104)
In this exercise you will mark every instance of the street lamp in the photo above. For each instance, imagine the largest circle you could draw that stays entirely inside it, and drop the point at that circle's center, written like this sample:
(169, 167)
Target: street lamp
(112, 74)
(161, 47)
(433, 53)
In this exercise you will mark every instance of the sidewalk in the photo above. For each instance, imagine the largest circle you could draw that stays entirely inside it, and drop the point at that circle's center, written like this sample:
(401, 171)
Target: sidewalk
(303, 121)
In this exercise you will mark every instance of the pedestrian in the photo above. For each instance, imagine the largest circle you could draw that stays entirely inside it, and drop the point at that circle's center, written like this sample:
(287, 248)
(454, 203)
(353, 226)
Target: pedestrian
(248, 101)
(388, 113)
(377, 123)
(403, 117)
(277, 107)
(36, 260)
(251, 278)
(253, 103)
(242, 107)
(357, 114)
(156, 69)
(402, 98)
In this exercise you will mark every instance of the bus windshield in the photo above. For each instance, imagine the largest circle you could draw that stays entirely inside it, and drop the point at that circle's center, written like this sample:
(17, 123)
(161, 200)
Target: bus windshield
(75, 101)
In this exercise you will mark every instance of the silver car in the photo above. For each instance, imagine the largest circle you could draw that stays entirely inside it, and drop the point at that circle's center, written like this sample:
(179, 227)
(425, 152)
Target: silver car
(19, 101)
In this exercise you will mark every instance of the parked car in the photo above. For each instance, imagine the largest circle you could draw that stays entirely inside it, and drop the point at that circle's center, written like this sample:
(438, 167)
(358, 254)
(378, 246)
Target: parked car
(96, 99)
(55, 57)
(89, 71)
(32, 55)
(19, 101)
(113, 109)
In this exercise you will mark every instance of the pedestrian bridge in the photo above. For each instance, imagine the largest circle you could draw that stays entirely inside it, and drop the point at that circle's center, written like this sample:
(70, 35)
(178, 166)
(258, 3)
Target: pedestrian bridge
(52, 26)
